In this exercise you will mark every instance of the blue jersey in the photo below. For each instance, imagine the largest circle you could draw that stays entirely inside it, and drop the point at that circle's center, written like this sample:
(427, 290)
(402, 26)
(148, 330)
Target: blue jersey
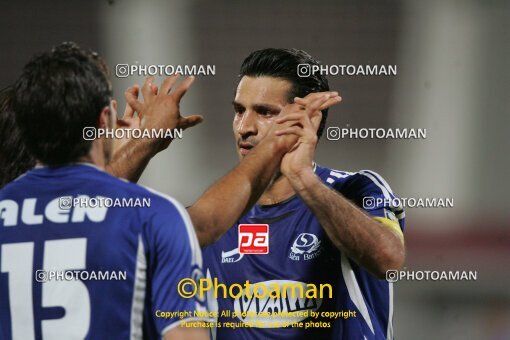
(301, 253)
(104, 269)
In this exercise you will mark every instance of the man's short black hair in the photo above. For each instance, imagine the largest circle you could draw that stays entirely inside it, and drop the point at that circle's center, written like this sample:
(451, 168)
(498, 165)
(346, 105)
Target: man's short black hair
(58, 94)
(283, 63)
(14, 156)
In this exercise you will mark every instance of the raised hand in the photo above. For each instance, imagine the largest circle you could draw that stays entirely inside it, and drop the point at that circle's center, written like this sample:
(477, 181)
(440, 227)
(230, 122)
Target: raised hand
(303, 126)
(289, 122)
(130, 120)
(160, 107)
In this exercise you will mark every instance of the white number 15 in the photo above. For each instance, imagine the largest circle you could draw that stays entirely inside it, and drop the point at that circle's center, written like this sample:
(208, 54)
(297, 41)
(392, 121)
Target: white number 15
(59, 255)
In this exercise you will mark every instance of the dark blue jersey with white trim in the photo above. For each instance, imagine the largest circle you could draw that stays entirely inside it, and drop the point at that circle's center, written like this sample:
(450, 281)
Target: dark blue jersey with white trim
(90, 271)
(301, 253)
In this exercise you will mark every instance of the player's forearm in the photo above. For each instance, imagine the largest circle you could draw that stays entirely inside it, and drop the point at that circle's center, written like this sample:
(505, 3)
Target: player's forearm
(130, 160)
(361, 238)
(188, 333)
(234, 194)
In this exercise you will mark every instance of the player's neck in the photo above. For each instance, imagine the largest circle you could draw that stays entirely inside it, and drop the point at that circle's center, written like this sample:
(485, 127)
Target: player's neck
(278, 191)
(95, 156)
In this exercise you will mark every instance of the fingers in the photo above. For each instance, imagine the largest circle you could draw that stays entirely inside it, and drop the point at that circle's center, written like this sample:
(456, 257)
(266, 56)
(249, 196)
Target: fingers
(166, 86)
(316, 103)
(190, 121)
(147, 88)
(289, 117)
(301, 121)
(309, 121)
(334, 99)
(316, 121)
(319, 101)
(311, 111)
(132, 100)
(154, 88)
(183, 86)
(330, 102)
(293, 130)
(168, 83)
(312, 96)
(129, 111)
(121, 123)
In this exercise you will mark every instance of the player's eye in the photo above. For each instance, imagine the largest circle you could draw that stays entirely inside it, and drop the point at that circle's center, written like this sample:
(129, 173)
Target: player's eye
(239, 110)
(265, 112)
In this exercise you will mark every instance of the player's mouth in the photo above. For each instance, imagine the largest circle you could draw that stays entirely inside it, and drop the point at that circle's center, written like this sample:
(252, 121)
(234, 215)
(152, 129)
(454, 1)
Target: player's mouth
(245, 148)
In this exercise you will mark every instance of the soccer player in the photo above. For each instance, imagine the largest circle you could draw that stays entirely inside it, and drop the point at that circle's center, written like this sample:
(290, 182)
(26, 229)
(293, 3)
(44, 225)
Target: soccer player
(150, 245)
(241, 187)
(78, 271)
(318, 231)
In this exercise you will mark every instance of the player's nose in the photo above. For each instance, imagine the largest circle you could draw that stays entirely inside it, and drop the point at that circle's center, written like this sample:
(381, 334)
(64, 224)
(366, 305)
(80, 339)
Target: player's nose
(248, 124)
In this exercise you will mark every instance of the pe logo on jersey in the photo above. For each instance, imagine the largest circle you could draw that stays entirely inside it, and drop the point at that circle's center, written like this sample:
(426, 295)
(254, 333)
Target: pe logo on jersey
(305, 247)
(253, 238)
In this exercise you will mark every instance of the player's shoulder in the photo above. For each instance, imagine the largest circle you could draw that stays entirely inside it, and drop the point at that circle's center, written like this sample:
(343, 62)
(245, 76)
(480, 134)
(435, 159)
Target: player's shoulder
(164, 201)
(122, 188)
(162, 210)
(158, 200)
(362, 181)
(171, 224)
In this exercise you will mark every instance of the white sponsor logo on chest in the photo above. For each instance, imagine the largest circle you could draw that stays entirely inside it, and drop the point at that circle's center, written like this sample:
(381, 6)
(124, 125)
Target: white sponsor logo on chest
(305, 247)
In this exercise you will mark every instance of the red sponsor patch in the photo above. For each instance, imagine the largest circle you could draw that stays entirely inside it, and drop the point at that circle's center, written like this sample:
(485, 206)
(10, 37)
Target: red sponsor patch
(253, 238)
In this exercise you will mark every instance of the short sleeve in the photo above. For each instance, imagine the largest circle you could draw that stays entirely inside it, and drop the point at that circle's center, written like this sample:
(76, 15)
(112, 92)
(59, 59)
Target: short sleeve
(369, 191)
(175, 255)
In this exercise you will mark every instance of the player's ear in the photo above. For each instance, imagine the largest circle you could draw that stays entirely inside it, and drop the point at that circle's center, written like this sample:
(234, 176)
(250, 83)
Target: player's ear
(104, 118)
(113, 114)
